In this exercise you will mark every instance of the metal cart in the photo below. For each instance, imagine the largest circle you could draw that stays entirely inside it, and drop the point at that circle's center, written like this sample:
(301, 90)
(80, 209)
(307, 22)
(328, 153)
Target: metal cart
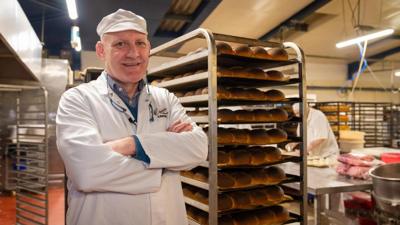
(207, 59)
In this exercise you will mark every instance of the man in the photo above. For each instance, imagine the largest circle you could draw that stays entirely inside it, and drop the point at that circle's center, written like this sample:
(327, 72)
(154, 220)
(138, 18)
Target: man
(320, 139)
(123, 142)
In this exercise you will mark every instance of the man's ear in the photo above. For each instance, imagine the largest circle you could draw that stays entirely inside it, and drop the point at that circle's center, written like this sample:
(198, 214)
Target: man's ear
(100, 50)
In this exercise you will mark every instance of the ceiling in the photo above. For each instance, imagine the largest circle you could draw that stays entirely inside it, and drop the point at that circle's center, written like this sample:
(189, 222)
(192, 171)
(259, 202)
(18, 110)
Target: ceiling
(315, 25)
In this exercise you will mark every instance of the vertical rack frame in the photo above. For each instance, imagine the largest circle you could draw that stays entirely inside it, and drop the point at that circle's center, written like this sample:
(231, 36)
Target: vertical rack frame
(31, 157)
(213, 105)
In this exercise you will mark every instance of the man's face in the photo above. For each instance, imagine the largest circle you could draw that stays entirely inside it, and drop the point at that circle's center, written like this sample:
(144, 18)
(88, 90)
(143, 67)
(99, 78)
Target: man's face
(125, 54)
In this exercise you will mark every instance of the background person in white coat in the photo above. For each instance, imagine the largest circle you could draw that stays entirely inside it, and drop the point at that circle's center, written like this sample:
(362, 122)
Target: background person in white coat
(123, 142)
(320, 138)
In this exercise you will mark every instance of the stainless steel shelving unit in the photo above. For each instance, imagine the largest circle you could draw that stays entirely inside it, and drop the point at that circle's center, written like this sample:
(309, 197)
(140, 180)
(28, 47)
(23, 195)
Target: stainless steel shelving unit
(31, 154)
(375, 120)
(209, 60)
(336, 115)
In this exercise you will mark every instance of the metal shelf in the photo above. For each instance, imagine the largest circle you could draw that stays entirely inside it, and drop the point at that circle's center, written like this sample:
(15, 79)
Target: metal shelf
(204, 120)
(202, 101)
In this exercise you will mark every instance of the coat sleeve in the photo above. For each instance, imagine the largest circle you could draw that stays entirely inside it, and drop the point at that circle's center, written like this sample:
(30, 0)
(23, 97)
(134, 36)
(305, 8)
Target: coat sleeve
(91, 165)
(175, 151)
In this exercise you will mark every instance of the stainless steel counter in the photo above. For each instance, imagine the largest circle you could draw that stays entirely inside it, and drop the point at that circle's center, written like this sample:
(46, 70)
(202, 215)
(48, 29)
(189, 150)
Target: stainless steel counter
(325, 182)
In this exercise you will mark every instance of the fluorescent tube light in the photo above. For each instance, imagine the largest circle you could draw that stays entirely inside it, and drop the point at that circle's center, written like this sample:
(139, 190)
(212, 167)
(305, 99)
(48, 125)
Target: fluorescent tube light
(73, 13)
(397, 73)
(76, 39)
(365, 38)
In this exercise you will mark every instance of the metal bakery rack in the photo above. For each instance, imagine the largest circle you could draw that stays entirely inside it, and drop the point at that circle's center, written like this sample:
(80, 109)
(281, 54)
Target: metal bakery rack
(207, 62)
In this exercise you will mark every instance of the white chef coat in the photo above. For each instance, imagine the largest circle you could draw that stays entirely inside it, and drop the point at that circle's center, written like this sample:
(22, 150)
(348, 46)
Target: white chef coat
(318, 127)
(107, 188)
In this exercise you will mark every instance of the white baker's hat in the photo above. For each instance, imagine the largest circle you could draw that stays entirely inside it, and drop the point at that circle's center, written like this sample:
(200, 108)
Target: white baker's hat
(121, 20)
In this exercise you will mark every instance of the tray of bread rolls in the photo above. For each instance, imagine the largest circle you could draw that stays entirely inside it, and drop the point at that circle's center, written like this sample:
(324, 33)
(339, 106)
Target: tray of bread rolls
(231, 77)
(241, 56)
(228, 116)
(232, 202)
(266, 216)
(234, 180)
(251, 157)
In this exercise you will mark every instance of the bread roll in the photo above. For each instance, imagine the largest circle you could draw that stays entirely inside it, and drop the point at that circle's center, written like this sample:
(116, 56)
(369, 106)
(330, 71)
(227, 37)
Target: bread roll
(274, 95)
(274, 75)
(242, 179)
(201, 196)
(258, 177)
(201, 174)
(259, 137)
(244, 50)
(260, 52)
(188, 192)
(281, 214)
(225, 202)
(244, 116)
(274, 194)
(239, 157)
(223, 158)
(224, 48)
(237, 93)
(155, 82)
(238, 71)
(226, 220)
(258, 156)
(222, 93)
(179, 94)
(190, 211)
(188, 173)
(278, 115)
(198, 91)
(241, 199)
(224, 72)
(262, 155)
(254, 94)
(276, 135)
(226, 115)
(189, 93)
(258, 197)
(265, 216)
(201, 217)
(246, 219)
(225, 180)
(255, 73)
(278, 54)
(225, 136)
(241, 136)
(273, 154)
(274, 175)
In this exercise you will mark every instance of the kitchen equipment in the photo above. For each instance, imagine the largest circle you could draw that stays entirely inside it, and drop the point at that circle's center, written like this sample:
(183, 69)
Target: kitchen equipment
(390, 157)
(386, 186)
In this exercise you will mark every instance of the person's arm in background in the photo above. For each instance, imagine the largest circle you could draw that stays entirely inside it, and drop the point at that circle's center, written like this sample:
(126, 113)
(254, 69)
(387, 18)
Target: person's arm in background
(92, 165)
(315, 144)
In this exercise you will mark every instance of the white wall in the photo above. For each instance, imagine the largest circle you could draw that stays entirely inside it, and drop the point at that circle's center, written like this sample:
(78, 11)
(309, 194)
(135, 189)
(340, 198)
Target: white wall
(320, 72)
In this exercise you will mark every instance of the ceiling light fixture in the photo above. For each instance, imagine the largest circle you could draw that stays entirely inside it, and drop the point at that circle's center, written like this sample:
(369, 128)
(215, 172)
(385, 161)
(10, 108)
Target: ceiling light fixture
(365, 38)
(73, 13)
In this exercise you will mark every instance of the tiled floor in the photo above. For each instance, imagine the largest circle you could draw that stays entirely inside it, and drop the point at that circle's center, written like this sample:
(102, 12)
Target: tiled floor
(56, 207)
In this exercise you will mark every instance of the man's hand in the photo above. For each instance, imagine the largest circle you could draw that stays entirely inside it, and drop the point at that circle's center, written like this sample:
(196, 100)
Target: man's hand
(179, 127)
(125, 146)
